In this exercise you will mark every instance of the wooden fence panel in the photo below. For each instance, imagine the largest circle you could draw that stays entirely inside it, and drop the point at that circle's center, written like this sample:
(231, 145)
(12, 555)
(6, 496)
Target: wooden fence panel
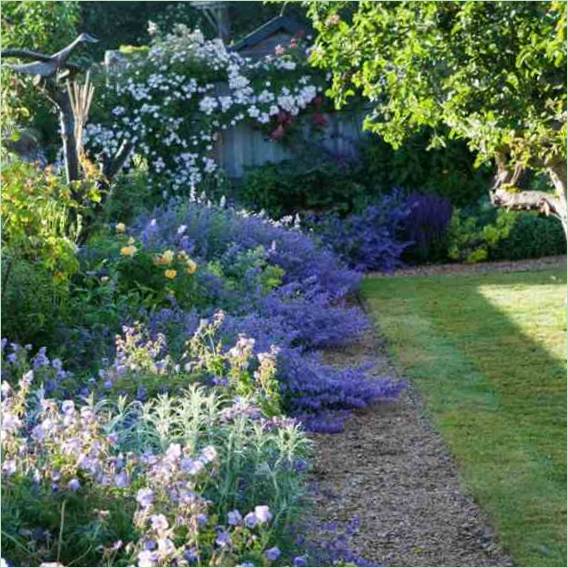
(244, 147)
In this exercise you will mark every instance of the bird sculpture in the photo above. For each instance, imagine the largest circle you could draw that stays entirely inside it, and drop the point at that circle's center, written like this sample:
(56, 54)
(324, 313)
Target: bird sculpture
(46, 66)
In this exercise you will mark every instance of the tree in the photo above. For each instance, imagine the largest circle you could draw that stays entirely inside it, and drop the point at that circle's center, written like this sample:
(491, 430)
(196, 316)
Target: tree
(491, 73)
(51, 25)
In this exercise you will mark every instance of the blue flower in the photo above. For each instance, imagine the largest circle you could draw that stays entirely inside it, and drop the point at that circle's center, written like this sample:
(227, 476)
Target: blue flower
(250, 520)
(234, 517)
(223, 539)
(190, 554)
(263, 514)
(272, 554)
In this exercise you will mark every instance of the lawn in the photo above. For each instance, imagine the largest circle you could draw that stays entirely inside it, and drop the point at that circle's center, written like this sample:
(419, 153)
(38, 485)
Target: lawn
(487, 353)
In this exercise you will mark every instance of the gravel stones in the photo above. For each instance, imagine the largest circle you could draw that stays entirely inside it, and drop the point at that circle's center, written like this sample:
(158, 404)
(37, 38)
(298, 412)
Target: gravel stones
(392, 470)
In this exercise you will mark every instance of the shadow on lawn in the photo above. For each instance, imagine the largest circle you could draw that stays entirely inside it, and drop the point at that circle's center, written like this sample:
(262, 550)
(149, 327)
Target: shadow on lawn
(475, 348)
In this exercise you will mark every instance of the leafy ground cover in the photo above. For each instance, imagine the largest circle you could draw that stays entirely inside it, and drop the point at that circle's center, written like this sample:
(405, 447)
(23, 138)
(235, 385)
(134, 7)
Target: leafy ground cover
(487, 353)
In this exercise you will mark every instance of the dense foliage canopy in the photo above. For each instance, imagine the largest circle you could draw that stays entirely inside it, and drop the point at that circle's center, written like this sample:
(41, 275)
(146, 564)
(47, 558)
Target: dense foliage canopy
(492, 73)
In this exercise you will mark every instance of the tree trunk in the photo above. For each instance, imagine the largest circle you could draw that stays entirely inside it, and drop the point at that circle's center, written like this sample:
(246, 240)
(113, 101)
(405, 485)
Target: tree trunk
(557, 173)
(505, 192)
(67, 123)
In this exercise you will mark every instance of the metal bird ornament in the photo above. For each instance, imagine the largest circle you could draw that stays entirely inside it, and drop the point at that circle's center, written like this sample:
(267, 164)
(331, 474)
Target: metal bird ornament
(46, 66)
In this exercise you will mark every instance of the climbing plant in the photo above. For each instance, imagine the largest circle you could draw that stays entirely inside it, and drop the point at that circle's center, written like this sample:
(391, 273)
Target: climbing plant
(170, 101)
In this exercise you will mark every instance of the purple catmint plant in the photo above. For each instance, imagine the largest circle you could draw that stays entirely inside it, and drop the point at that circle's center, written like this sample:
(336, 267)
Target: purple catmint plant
(317, 393)
(369, 240)
(308, 311)
(426, 224)
(211, 231)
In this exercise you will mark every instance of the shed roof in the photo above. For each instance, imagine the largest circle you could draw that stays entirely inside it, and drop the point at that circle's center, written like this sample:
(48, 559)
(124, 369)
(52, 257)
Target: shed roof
(277, 24)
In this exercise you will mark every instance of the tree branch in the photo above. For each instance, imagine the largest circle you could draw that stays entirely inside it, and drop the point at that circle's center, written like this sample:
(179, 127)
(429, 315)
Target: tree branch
(37, 56)
(506, 193)
(25, 54)
(542, 201)
(113, 165)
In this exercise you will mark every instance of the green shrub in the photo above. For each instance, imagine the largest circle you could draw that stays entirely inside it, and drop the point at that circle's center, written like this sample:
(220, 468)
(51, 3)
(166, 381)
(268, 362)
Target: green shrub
(448, 171)
(40, 226)
(131, 195)
(32, 301)
(532, 236)
(41, 221)
(292, 186)
(486, 233)
(320, 184)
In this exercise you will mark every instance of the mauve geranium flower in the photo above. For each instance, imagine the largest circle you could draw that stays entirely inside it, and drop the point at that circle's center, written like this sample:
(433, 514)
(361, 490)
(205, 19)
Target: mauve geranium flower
(208, 454)
(147, 559)
(263, 514)
(272, 553)
(159, 522)
(145, 497)
(121, 480)
(250, 520)
(223, 539)
(234, 517)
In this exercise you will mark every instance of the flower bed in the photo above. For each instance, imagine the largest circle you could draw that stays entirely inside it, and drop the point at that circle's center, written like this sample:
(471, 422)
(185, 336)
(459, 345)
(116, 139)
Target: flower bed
(179, 449)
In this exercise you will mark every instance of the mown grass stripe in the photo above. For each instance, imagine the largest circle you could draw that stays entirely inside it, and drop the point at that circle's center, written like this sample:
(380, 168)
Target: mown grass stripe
(486, 351)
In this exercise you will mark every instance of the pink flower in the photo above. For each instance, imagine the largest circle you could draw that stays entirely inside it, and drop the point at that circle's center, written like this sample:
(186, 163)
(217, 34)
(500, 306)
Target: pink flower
(319, 119)
(277, 133)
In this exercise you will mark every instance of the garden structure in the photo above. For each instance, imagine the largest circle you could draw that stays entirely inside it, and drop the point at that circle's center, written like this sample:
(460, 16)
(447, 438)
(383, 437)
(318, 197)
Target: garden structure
(246, 325)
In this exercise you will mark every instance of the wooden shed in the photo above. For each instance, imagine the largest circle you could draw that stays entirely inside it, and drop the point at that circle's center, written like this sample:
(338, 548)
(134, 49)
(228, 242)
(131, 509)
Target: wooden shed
(244, 146)
(262, 41)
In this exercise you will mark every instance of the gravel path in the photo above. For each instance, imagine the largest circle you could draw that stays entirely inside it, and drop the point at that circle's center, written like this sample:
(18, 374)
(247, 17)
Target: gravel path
(393, 471)
(547, 262)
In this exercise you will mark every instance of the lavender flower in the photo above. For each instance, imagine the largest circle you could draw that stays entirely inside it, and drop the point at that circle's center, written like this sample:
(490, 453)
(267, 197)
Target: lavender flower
(223, 539)
(234, 517)
(272, 554)
(74, 485)
(251, 520)
(145, 497)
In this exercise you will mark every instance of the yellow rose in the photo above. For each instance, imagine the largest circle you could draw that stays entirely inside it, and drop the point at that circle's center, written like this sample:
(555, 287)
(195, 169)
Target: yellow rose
(171, 274)
(168, 257)
(120, 227)
(128, 251)
(191, 266)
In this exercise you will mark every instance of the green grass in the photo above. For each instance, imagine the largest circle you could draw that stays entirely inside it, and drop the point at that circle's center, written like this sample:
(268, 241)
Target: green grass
(487, 352)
